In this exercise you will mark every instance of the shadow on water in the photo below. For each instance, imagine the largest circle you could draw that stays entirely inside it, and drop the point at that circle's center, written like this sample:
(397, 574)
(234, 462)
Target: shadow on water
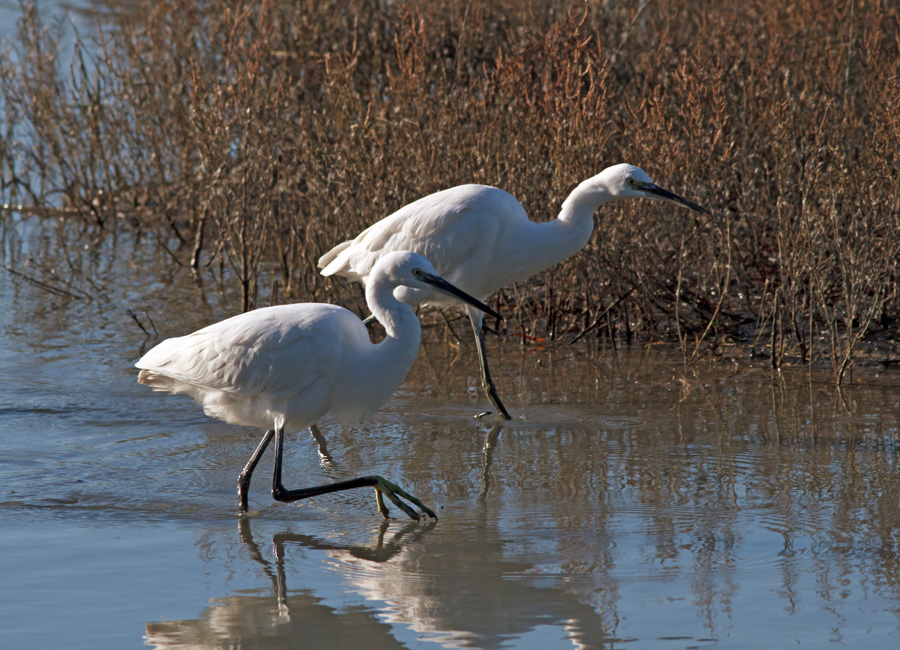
(457, 596)
(631, 498)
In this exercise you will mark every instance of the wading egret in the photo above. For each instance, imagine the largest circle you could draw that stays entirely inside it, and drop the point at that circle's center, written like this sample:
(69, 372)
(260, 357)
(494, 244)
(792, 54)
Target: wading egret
(480, 239)
(288, 366)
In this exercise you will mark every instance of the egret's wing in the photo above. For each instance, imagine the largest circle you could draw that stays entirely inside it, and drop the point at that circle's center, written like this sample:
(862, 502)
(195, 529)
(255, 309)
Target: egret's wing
(276, 351)
(448, 228)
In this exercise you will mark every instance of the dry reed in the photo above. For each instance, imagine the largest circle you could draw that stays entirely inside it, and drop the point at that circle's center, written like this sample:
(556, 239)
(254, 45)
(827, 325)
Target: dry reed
(253, 137)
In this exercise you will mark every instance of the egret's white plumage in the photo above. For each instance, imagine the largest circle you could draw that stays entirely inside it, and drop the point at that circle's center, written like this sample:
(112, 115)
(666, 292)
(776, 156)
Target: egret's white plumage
(290, 365)
(480, 239)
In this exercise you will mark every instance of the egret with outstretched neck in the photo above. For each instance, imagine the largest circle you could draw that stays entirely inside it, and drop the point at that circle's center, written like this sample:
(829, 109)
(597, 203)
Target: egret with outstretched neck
(480, 239)
(286, 367)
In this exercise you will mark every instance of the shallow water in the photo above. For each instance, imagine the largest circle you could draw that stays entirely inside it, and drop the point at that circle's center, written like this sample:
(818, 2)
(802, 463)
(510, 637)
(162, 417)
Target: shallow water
(633, 500)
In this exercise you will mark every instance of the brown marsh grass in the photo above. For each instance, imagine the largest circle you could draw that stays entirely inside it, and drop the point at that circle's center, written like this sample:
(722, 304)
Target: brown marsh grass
(251, 138)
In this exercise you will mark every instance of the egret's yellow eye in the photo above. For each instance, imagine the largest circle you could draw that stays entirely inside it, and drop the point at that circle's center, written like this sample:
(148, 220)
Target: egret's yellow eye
(632, 182)
(417, 273)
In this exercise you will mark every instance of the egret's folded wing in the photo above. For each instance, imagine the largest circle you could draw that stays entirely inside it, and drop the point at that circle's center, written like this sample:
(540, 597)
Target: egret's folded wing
(276, 351)
(445, 228)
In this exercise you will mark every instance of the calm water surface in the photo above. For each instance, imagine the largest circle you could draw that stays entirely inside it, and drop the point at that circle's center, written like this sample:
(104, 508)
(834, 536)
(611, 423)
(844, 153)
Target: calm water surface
(633, 502)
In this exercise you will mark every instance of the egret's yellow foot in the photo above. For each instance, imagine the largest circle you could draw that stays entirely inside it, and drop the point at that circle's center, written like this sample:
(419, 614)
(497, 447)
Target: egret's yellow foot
(393, 492)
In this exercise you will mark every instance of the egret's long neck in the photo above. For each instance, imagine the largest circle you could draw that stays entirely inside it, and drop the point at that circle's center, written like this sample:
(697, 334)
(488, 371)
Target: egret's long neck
(582, 203)
(404, 333)
(564, 236)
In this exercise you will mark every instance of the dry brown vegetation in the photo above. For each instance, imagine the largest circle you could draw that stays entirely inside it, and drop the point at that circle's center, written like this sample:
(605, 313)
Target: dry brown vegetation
(252, 138)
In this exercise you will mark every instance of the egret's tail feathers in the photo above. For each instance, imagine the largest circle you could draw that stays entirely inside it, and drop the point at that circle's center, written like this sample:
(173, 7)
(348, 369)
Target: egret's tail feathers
(147, 377)
(159, 381)
(330, 263)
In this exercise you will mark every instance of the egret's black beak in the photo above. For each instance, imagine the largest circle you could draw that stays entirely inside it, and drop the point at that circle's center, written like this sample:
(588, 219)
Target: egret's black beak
(442, 285)
(668, 196)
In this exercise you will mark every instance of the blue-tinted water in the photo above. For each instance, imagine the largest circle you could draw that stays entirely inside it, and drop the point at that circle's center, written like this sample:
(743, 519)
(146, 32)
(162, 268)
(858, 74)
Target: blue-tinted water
(633, 500)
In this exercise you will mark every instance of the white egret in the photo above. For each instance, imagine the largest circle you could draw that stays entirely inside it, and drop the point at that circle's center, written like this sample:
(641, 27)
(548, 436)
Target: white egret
(481, 239)
(288, 366)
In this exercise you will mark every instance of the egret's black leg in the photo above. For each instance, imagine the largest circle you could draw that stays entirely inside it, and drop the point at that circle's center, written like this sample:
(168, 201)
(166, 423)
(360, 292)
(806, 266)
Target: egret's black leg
(382, 487)
(486, 381)
(243, 484)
